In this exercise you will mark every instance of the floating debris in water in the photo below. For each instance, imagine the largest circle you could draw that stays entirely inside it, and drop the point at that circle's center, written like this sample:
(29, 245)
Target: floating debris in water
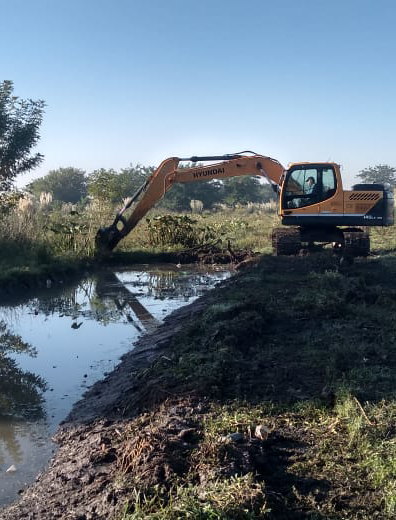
(76, 325)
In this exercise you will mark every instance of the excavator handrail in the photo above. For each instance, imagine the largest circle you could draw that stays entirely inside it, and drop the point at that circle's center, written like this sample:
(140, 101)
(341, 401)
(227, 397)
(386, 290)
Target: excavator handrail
(225, 157)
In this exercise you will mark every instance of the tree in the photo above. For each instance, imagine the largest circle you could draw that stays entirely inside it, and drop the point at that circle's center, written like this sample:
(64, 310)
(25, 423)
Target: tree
(132, 178)
(109, 185)
(65, 184)
(20, 121)
(241, 190)
(178, 198)
(101, 182)
(113, 186)
(379, 174)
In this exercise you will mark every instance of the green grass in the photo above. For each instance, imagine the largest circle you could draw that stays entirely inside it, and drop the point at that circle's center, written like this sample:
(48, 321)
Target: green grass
(335, 463)
(244, 229)
(236, 497)
(307, 349)
(195, 485)
(383, 239)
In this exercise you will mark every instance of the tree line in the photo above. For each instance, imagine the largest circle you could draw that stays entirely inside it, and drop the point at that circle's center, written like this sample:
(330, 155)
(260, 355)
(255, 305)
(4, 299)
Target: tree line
(73, 185)
(20, 122)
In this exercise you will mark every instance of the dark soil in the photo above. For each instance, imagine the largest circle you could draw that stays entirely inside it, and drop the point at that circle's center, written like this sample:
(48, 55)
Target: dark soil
(262, 337)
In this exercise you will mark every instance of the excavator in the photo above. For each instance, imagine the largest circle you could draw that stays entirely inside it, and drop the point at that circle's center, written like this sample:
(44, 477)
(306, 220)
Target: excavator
(312, 205)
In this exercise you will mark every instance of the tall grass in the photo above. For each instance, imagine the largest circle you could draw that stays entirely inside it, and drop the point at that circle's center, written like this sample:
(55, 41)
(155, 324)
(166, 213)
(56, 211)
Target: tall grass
(33, 234)
(38, 232)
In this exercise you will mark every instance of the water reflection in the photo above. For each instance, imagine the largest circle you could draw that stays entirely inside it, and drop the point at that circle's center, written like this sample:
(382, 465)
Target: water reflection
(109, 297)
(55, 345)
(8, 439)
(112, 292)
(21, 402)
(104, 299)
(20, 390)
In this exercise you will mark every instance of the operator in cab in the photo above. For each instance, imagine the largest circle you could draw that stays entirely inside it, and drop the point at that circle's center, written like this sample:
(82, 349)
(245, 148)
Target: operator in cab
(312, 188)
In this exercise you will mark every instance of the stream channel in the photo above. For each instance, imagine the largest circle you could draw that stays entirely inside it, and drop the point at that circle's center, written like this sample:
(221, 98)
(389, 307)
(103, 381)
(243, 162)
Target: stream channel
(57, 343)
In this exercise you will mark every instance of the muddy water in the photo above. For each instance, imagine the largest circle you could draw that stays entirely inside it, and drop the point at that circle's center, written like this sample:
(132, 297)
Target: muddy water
(54, 346)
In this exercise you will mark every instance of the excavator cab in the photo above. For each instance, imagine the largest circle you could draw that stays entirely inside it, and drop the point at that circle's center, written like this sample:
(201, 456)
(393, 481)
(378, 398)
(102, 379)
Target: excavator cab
(312, 195)
(316, 209)
(310, 190)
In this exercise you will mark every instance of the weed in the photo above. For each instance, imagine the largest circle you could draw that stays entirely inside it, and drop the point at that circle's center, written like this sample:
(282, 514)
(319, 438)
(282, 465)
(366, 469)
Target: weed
(237, 497)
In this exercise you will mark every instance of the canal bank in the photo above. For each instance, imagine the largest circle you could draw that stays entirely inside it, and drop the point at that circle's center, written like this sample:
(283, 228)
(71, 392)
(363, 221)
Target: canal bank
(272, 396)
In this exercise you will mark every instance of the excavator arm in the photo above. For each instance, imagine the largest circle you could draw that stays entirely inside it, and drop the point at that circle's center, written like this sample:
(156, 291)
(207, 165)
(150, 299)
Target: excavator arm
(168, 173)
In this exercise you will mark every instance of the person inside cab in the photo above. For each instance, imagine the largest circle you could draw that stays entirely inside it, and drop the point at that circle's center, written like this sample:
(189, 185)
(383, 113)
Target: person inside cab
(312, 187)
(310, 194)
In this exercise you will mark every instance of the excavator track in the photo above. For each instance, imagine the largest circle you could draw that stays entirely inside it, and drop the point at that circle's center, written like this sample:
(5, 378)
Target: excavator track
(356, 243)
(286, 241)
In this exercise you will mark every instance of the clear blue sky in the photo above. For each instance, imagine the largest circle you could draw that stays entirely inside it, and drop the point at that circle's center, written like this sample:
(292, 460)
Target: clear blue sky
(136, 81)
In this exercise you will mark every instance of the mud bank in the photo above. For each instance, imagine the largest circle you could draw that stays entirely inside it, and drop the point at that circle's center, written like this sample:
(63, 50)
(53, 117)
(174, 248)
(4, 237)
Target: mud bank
(81, 482)
(263, 399)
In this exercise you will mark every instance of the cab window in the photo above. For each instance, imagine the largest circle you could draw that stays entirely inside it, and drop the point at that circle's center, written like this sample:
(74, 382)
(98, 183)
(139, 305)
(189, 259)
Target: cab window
(307, 186)
(301, 187)
(329, 182)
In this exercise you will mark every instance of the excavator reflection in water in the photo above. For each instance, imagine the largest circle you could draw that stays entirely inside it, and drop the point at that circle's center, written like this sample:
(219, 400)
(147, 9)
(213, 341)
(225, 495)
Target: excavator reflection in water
(110, 297)
(313, 206)
(125, 301)
(105, 300)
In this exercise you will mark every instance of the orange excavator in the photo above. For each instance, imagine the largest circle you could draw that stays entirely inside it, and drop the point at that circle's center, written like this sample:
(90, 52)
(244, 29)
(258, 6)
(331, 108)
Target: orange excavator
(313, 206)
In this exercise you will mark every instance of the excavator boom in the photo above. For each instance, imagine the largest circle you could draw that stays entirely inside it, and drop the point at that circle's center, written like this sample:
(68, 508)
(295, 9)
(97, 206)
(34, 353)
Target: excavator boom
(168, 173)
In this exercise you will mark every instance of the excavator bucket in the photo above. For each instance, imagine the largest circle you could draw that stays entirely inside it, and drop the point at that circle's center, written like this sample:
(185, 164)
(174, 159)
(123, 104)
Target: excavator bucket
(106, 239)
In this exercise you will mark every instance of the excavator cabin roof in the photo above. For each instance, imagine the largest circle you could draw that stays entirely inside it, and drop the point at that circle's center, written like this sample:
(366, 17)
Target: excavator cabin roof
(310, 163)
